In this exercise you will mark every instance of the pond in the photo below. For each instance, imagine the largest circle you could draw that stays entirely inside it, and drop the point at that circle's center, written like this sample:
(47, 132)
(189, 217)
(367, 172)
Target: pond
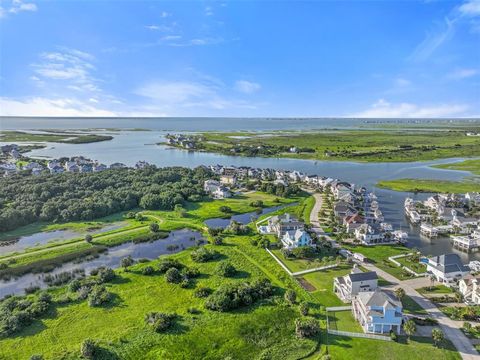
(243, 218)
(42, 238)
(176, 241)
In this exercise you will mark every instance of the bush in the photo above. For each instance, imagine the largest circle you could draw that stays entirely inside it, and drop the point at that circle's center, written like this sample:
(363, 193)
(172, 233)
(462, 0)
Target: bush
(226, 269)
(160, 322)
(105, 274)
(88, 349)
(74, 285)
(154, 227)
(98, 296)
(148, 270)
(173, 276)
(229, 297)
(290, 296)
(256, 204)
(393, 336)
(126, 262)
(304, 308)
(217, 240)
(203, 255)
(306, 327)
(167, 263)
(36, 357)
(191, 272)
(225, 209)
(88, 238)
(202, 292)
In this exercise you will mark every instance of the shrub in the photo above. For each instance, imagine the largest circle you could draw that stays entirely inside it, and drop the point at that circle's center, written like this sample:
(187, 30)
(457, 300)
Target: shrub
(36, 357)
(98, 296)
(185, 283)
(148, 270)
(88, 349)
(154, 227)
(304, 308)
(105, 274)
(203, 255)
(215, 231)
(173, 276)
(229, 297)
(74, 285)
(88, 238)
(202, 292)
(256, 204)
(126, 262)
(225, 269)
(290, 296)
(160, 322)
(306, 327)
(167, 263)
(3, 266)
(217, 240)
(393, 336)
(191, 272)
(225, 209)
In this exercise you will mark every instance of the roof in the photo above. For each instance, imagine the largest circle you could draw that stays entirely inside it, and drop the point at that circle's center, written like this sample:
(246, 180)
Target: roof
(448, 263)
(363, 276)
(379, 298)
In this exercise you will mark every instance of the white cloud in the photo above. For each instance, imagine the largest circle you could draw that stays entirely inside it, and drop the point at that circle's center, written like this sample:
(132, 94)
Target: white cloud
(165, 14)
(18, 6)
(71, 67)
(384, 109)
(208, 11)
(247, 87)
(39, 106)
(401, 82)
(470, 8)
(460, 74)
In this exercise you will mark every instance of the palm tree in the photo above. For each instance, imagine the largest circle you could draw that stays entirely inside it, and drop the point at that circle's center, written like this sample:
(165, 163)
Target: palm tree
(400, 293)
(432, 281)
(409, 327)
(437, 336)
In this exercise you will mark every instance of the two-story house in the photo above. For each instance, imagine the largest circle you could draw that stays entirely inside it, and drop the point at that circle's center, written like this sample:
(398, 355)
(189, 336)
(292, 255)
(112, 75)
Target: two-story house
(447, 269)
(296, 238)
(350, 285)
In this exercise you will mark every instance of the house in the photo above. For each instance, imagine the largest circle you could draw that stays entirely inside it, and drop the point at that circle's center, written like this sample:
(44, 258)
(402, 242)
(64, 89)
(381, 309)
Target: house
(99, 167)
(282, 223)
(118, 165)
(71, 166)
(447, 269)
(378, 311)
(85, 168)
(469, 287)
(341, 189)
(210, 186)
(221, 192)
(296, 238)
(473, 198)
(350, 285)
(370, 234)
(228, 179)
(56, 169)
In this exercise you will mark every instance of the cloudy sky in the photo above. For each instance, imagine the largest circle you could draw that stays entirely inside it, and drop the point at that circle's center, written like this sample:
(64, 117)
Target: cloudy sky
(155, 58)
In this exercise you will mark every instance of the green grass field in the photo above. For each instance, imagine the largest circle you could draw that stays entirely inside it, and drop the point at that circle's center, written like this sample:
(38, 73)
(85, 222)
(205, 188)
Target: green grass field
(437, 289)
(373, 145)
(411, 307)
(343, 321)
(67, 138)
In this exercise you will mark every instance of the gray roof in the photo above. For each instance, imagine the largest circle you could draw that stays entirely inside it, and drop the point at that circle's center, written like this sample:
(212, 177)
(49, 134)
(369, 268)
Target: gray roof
(379, 298)
(363, 276)
(449, 263)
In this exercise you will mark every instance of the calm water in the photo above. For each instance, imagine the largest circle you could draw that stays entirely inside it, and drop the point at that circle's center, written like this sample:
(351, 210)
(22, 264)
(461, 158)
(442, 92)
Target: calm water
(151, 250)
(42, 238)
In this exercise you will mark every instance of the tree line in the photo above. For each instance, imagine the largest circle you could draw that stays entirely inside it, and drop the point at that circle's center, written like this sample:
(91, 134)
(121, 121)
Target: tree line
(87, 196)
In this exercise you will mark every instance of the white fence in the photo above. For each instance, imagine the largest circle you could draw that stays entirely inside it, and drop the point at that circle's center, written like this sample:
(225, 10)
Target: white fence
(359, 335)
(284, 267)
(339, 308)
(392, 259)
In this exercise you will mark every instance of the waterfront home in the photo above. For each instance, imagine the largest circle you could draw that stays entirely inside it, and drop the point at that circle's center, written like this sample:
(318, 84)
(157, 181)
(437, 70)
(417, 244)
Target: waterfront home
(32, 165)
(469, 287)
(350, 285)
(280, 224)
(8, 168)
(71, 166)
(372, 234)
(341, 188)
(228, 179)
(467, 243)
(342, 209)
(473, 198)
(118, 165)
(141, 164)
(447, 269)
(216, 190)
(295, 238)
(378, 312)
(85, 168)
(99, 167)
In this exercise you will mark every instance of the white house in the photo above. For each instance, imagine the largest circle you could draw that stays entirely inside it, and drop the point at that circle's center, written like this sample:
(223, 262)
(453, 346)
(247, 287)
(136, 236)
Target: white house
(378, 312)
(217, 190)
(296, 238)
(469, 287)
(447, 269)
(350, 285)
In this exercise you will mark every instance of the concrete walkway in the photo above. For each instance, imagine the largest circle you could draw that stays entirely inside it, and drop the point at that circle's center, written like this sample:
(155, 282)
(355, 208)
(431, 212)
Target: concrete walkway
(451, 328)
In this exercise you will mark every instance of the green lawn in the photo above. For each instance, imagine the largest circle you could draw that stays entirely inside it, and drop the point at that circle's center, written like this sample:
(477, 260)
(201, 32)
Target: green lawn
(411, 307)
(428, 185)
(416, 266)
(437, 289)
(343, 321)
(467, 165)
(295, 265)
(347, 348)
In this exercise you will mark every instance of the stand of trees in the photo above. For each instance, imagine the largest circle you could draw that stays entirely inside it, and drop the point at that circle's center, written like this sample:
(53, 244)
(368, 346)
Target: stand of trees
(87, 196)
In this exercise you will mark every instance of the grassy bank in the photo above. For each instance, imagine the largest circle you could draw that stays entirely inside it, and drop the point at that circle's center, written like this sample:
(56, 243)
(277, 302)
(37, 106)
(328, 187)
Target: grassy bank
(424, 185)
(67, 138)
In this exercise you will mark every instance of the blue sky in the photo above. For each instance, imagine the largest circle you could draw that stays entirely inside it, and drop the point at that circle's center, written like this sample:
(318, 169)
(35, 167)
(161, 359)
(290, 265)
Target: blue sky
(242, 58)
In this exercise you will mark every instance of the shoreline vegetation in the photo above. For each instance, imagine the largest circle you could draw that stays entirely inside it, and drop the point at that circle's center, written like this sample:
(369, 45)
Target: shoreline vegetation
(367, 145)
(468, 184)
(57, 137)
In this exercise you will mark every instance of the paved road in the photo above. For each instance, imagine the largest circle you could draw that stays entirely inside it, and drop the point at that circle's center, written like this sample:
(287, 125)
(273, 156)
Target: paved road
(451, 328)
(314, 219)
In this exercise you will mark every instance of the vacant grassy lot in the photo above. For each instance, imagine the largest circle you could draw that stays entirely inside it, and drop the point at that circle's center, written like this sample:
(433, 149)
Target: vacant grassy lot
(343, 321)
(437, 289)
(427, 185)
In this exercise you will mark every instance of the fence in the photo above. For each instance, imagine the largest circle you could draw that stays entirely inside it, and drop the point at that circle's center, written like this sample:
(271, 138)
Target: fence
(406, 268)
(359, 335)
(284, 267)
(339, 308)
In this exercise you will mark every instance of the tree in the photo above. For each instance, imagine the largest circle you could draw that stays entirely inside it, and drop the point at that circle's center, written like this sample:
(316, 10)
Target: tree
(88, 349)
(432, 281)
(160, 321)
(225, 209)
(226, 269)
(400, 293)
(88, 238)
(458, 297)
(409, 327)
(126, 262)
(98, 296)
(437, 336)
(148, 270)
(154, 227)
(290, 296)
